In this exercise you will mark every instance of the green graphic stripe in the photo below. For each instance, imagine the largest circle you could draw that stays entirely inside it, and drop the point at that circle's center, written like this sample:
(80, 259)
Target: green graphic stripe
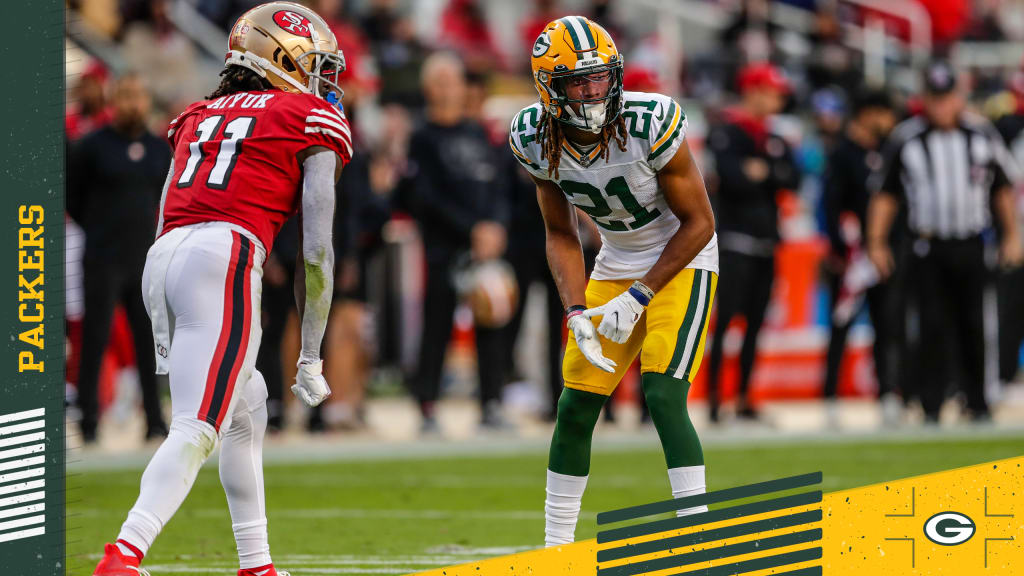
(572, 34)
(735, 493)
(772, 505)
(706, 536)
(700, 329)
(714, 553)
(809, 571)
(760, 564)
(691, 308)
(586, 30)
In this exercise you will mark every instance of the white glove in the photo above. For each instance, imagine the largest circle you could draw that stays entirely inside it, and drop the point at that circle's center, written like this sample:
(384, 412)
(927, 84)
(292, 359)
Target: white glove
(620, 316)
(310, 385)
(588, 342)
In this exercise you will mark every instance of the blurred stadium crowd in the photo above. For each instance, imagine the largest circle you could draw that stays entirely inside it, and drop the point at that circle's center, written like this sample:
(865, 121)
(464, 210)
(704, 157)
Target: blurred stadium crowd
(442, 283)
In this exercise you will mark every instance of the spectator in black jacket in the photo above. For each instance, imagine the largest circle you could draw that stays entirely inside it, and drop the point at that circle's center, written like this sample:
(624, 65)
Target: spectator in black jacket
(115, 177)
(450, 190)
(855, 156)
(753, 165)
(1010, 281)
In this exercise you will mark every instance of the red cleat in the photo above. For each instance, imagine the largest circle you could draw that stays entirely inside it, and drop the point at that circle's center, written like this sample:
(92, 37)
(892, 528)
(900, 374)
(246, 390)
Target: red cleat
(115, 563)
(267, 570)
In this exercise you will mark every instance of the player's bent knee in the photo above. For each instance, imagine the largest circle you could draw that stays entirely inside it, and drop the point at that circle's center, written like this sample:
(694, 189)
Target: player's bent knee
(196, 432)
(664, 392)
(578, 411)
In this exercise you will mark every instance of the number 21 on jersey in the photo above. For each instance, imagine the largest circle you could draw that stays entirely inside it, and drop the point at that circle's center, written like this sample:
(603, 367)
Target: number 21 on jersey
(601, 210)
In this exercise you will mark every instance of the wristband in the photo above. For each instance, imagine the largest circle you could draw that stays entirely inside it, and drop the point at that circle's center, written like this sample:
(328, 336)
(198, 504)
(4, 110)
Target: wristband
(642, 293)
(575, 310)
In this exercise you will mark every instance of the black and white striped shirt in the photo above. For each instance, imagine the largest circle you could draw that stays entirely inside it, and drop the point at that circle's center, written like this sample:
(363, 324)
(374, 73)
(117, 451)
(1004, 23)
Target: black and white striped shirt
(947, 177)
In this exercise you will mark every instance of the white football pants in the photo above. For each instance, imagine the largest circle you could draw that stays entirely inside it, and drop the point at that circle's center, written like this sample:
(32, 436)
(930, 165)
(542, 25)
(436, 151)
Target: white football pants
(202, 287)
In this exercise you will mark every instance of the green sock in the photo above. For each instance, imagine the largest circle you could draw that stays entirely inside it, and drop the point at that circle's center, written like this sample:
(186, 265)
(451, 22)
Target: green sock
(666, 400)
(574, 429)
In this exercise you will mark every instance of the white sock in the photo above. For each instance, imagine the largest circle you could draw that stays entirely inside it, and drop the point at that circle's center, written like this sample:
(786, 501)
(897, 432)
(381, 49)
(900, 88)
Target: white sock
(687, 481)
(126, 550)
(562, 507)
(241, 475)
(167, 480)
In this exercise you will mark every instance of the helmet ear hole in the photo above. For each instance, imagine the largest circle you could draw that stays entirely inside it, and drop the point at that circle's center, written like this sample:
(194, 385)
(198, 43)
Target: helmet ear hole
(285, 62)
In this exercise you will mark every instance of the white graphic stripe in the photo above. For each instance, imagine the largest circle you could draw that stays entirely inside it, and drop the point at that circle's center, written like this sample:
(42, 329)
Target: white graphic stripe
(22, 439)
(21, 499)
(19, 467)
(22, 522)
(14, 428)
(21, 534)
(329, 122)
(22, 510)
(581, 33)
(694, 334)
(330, 113)
(331, 133)
(33, 461)
(30, 473)
(37, 413)
(33, 485)
(33, 449)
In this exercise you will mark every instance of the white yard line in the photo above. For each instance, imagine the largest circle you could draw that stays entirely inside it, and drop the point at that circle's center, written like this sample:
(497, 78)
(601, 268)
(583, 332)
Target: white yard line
(733, 438)
(360, 513)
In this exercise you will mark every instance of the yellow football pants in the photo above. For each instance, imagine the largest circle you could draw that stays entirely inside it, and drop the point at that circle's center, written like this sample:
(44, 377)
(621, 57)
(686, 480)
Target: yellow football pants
(669, 336)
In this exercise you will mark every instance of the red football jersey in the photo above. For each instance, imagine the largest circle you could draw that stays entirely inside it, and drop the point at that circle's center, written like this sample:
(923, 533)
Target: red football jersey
(235, 158)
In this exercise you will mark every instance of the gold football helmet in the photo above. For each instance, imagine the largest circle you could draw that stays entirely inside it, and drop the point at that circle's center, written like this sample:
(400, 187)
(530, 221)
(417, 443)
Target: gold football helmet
(289, 45)
(575, 49)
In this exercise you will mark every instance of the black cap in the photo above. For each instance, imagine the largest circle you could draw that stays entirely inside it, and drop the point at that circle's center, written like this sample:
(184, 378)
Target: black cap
(868, 98)
(939, 78)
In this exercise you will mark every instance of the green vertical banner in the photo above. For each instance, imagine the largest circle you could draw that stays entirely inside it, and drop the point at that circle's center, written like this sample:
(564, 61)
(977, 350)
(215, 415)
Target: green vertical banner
(32, 477)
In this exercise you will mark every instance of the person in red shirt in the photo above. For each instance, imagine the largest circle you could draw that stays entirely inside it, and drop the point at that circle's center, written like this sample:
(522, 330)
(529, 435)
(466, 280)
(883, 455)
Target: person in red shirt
(269, 142)
(90, 111)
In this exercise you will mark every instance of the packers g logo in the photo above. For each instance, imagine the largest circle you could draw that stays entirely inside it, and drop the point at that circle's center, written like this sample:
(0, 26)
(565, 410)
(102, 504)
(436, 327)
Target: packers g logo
(540, 47)
(949, 528)
(295, 23)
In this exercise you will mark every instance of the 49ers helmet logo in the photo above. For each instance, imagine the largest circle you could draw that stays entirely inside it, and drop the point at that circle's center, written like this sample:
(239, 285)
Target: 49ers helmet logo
(292, 22)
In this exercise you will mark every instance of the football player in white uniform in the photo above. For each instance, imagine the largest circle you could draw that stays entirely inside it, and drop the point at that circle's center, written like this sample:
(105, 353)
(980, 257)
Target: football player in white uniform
(622, 158)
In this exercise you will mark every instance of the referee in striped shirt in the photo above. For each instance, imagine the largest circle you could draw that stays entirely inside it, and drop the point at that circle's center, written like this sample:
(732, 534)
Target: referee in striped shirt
(954, 173)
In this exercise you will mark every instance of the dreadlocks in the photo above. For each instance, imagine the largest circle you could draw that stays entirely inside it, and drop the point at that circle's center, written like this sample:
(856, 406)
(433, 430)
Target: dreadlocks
(550, 137)
(236, 78)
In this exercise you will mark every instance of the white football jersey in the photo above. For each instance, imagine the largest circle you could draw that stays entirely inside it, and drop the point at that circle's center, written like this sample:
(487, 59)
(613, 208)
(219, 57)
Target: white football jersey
(621, 194)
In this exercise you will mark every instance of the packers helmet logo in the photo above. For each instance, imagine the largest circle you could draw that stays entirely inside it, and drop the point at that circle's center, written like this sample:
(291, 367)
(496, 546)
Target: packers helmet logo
(295, 23)
(540, 47)
(949, 528)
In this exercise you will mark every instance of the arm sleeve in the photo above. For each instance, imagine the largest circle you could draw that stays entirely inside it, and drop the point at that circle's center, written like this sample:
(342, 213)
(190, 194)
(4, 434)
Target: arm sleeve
(667, 132)
(317, 250)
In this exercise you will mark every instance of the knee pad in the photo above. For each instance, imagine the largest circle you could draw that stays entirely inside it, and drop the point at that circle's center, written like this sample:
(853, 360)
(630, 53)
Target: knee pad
(196, 432)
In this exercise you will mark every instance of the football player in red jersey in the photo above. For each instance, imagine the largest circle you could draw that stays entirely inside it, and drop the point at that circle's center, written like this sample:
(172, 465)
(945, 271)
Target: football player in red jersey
(269, 142)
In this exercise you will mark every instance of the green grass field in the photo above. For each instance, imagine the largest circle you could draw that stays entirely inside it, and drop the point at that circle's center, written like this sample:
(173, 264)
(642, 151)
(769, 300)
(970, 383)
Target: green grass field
(396, 516)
